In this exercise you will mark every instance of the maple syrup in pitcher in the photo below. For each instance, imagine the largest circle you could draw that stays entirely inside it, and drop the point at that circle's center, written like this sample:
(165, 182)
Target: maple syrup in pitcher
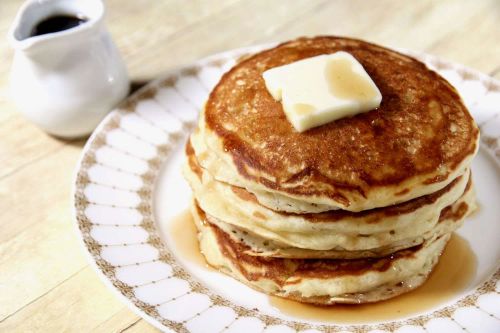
(451, 276)
(57, 23)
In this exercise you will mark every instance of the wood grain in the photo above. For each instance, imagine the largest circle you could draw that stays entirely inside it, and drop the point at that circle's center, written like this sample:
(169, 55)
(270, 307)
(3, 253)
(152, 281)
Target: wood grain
(46, 283)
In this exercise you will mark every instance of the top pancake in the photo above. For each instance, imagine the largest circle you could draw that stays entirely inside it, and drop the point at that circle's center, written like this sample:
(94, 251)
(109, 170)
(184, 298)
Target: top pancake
(418, 140)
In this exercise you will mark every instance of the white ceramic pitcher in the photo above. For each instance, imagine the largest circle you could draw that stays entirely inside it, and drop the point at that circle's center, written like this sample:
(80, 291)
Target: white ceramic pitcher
(65, 81)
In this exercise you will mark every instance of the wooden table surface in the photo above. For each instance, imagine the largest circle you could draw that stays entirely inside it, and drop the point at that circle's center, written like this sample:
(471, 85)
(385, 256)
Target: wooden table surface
(46, 283)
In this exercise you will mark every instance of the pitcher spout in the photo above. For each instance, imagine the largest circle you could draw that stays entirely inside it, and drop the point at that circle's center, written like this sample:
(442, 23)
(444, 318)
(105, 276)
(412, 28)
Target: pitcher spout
(23, 35)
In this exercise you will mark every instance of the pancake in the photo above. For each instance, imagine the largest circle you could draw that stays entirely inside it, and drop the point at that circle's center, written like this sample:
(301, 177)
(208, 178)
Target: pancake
(335, 233)
(417, 142)
(354, 211)
(450, 219)
(320, 281)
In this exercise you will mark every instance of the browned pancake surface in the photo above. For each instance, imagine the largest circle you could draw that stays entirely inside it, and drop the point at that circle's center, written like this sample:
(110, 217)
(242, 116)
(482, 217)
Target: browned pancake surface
(375, 214)
(280, 269)
(421, 126)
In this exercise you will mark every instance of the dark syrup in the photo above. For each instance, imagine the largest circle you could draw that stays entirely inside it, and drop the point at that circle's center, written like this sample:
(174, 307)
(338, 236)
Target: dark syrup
(57, 23)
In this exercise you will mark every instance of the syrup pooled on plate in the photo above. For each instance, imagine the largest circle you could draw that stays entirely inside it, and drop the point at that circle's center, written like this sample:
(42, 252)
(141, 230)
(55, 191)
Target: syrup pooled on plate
(185, 236)
(57, 23)
(451, 276)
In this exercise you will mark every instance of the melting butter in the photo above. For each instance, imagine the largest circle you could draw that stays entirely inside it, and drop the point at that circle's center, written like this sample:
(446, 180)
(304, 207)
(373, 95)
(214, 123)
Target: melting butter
(344, 82)
(317, 90)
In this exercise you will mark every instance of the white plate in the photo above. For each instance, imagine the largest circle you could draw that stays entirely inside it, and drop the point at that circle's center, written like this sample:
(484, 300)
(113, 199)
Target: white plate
(129, 187)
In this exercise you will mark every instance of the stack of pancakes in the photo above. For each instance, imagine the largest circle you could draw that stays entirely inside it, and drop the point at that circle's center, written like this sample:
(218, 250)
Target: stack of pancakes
(357, 210)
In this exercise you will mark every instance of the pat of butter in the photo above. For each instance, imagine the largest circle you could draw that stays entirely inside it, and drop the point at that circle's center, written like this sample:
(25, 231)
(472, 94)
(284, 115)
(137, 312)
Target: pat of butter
(321, 89)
